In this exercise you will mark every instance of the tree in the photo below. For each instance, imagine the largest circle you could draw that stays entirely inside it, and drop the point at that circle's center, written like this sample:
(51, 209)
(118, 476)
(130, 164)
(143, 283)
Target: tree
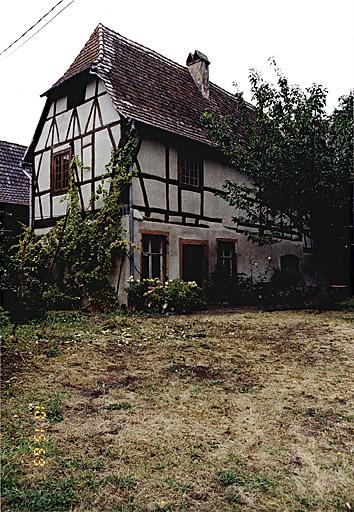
(297, 159)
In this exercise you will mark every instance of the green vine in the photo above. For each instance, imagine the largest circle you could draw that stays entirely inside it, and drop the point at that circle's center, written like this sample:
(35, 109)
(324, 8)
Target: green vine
(80, 251)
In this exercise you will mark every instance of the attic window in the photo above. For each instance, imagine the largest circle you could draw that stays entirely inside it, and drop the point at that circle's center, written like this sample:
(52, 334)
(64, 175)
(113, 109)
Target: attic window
(76, 94)
(190, 170)
(60, 172)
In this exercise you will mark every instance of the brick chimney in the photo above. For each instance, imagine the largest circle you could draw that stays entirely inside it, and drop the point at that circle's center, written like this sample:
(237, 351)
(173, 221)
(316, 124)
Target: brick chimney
(198, 66)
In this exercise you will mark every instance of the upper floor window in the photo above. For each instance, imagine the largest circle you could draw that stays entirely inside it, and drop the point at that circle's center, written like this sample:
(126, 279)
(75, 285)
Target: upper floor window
(60, 171)
(227, 257)
(76, 94)
(190, 170)
(154, 256)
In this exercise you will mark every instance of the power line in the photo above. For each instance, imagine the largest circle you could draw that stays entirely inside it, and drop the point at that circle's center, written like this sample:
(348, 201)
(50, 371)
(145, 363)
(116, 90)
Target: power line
(34, 25)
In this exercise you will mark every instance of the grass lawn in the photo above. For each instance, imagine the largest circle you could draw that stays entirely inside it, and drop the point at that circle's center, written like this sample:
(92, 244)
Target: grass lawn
(208, 412)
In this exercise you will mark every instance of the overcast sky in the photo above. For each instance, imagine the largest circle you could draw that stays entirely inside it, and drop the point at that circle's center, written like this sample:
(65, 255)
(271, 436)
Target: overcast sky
(311, 40)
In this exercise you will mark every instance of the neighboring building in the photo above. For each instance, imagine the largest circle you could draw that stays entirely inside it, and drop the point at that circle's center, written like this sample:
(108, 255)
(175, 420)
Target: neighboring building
(183, 229)
(15, 187)
(15, 194)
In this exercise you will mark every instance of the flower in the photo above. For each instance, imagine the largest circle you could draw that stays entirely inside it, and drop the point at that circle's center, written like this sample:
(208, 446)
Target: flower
(131, 279)
(269, 258)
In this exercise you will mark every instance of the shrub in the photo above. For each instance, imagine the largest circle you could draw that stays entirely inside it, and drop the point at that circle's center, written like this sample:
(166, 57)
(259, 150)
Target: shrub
(286, 287)
(102, 297)
(235, 290)
(155, 296)
(137, 290)
(4, 318)
(60, 297)
(182, 296)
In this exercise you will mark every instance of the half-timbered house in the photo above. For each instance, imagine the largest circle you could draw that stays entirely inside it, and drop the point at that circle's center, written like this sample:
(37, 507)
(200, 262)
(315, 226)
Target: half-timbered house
(180, 228)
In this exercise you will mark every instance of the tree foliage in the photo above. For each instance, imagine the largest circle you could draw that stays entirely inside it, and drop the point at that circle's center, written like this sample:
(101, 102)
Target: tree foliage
(296, 157)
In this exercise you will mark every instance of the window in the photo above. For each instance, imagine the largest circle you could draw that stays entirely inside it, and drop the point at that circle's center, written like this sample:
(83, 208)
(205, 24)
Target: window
(76, 94)
(227, 257)
(154, 256)
(190, 171)
(289, 263)
(60, 171)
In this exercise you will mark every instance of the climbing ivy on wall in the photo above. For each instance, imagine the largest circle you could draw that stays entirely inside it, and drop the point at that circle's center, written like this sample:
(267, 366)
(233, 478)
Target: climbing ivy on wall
(80, 251)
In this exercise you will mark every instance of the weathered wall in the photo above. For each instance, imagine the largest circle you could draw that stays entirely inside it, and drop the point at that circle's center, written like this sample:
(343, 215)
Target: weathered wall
(195, 215)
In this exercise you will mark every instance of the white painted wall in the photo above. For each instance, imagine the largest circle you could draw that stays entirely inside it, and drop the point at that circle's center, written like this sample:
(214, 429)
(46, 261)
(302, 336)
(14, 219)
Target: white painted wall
(251, 258)
(87, 134)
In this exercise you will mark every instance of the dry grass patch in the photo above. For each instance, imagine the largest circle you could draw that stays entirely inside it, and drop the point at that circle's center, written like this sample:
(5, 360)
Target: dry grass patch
(218, 412)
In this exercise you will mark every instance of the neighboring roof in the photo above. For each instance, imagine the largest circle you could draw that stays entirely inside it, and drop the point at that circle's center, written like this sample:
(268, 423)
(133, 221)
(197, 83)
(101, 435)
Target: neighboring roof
(148, 87)
(14, 183)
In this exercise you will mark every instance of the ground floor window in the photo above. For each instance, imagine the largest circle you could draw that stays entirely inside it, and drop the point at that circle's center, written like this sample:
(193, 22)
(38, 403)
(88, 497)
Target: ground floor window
(227, 261)
(154, 256)
(289, 263)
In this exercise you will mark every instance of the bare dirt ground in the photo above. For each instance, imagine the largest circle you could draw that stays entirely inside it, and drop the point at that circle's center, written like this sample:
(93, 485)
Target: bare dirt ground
(209, 412)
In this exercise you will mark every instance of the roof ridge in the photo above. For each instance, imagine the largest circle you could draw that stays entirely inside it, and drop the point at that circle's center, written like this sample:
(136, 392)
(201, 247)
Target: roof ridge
(100, 55)
(13, 143)
(158, 55)
(141, 47)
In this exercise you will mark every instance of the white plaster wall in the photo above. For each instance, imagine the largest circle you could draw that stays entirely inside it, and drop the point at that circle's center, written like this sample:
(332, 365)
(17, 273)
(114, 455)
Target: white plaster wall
(63, 124)
(103, 152)
(59, 206)
(137, 194)
(152, 157)
(44, 134)
(90, 89)
(51, 110)
(215, 174)
(61, 104)
(36, 204)
(109, 113)
(83, 113)
(156, 192)
(116, 133)
(191, 202)
(45, 199)
(173, 197)
(87, 160)
(101, 87)
(44, 176)
(77, 148)
(173, 163)
(86, 193)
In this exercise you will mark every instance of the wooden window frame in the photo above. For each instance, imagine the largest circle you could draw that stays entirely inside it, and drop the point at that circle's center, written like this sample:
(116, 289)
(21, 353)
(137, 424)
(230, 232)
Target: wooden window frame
(154, 232)
(235, 262)
(53, 190)
(190, 241)
(189, 154)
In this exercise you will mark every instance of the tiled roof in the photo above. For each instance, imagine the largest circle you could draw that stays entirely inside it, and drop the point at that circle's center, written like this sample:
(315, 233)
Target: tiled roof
(148, 87)
(14, 184)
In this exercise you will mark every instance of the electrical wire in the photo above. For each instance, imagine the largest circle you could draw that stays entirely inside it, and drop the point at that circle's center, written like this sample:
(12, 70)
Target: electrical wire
(33, 26)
